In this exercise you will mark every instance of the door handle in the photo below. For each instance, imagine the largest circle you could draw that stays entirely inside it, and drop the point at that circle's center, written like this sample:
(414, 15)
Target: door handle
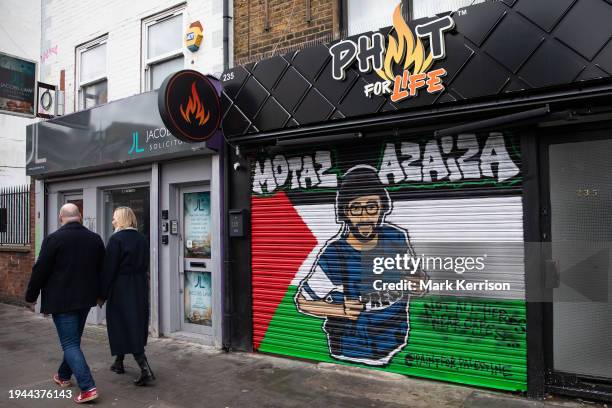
(552, 276)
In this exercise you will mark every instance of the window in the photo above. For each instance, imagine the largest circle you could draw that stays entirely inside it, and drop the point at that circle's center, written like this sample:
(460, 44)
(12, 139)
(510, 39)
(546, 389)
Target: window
(368, 15)
(162, 47)
(91, 77)
(427, 8)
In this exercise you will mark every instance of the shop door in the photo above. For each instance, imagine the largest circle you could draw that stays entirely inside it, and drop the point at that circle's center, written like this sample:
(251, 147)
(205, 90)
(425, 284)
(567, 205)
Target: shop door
(137, 198)
(578, 230)
(196, 264)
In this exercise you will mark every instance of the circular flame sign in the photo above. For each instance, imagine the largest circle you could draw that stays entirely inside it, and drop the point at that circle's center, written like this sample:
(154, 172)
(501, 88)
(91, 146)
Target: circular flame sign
(189, 105)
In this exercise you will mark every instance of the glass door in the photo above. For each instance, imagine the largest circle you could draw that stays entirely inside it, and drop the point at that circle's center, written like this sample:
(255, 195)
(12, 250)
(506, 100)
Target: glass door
(195, 271)
(579, 227)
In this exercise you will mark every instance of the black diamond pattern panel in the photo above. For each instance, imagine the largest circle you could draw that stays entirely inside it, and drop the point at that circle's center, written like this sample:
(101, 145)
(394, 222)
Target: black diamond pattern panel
(271, 116)
(314, 108)
(498, 48)
(311, 61)
(481, 76)
(544, 13)
(251, 97)
(268, 71)
(235, 122)
(604, 59)
(587, 27)
(291, 88)
(478, 22)
(356, 103)
(231, 88)
(461, 54)
(513, 41)
(516, 85)
(334, 90)
(591, 72)
(552, 64)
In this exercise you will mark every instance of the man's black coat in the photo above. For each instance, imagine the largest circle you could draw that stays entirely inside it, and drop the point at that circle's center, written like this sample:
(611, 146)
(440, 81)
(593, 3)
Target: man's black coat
(67, 270)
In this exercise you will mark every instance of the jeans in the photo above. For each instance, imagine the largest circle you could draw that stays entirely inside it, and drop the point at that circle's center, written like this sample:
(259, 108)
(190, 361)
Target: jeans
(70, 329)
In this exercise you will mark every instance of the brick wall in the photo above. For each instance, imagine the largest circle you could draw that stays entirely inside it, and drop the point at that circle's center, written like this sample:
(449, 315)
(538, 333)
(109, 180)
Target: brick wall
(288, 27)
(16, 265)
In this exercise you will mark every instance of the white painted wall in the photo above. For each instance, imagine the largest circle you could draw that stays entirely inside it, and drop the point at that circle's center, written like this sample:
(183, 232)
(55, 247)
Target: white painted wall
(19, 36)
(66, 24)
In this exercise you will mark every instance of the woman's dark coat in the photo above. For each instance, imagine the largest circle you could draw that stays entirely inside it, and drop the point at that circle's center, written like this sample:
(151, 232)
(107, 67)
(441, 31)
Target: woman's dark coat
(124, 285)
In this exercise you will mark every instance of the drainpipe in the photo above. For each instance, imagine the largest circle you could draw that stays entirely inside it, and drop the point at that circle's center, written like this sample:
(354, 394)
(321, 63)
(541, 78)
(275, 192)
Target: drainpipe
(226, 328)
(227, 26)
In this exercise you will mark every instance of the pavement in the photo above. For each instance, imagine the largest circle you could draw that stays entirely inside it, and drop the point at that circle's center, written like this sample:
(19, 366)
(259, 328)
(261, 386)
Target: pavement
(192, 375)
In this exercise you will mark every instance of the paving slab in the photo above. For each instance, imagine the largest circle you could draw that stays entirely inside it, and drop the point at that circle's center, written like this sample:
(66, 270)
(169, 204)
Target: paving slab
(192, 375)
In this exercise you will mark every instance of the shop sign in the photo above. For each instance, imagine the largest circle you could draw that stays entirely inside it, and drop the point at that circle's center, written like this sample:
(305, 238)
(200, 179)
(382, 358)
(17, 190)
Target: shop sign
(402, 61)
(17, 85)
(189, 105)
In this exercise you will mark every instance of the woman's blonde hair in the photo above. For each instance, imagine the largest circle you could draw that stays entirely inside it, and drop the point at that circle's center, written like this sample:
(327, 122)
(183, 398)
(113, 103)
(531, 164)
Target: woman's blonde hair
(125, 218)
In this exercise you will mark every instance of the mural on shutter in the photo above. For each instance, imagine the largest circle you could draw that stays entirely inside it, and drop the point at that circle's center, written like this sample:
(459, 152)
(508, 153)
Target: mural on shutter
(325, 219)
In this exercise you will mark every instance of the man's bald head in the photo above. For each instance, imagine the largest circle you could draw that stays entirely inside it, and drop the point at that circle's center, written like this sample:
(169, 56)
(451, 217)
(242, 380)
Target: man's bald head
(69, 213)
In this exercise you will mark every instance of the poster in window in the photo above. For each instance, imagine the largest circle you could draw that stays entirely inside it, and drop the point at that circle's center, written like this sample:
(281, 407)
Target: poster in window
(197, 224)
(198, 305)
(17, 85)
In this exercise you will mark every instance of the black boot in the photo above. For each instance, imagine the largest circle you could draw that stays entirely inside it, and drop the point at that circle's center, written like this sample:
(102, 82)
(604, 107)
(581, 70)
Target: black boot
(118, 365)
(146, 374)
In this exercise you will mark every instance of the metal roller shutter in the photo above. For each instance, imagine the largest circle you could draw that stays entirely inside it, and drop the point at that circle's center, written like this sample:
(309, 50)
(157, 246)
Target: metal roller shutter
(454, 197)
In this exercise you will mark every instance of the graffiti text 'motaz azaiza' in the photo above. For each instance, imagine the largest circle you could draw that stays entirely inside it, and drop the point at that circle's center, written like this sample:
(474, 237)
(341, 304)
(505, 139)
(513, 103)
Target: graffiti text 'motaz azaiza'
(452, 159)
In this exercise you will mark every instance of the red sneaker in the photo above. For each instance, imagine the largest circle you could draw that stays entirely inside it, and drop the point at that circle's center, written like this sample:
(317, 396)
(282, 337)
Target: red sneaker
(60, 382)
(85, 396)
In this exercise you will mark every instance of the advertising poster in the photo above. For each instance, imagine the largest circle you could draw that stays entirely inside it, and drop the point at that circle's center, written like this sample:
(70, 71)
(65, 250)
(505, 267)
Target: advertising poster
(197, 224)
(198, 304)
(17, 85)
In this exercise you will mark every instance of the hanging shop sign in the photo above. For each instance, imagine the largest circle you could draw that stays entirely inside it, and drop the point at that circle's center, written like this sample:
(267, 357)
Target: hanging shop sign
(403, 62)
(17, 85)
(46, 101)
(189, 105)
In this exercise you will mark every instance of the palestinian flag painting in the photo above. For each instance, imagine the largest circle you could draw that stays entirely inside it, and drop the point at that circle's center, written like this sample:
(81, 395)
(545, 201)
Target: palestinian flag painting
(354, 248)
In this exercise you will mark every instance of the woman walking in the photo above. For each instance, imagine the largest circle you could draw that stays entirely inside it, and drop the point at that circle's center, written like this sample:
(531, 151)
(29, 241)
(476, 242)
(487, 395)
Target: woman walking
(124, 287)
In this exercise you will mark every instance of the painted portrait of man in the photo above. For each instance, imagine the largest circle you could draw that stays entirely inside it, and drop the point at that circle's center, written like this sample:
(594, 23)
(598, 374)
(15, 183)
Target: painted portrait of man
(363, 323)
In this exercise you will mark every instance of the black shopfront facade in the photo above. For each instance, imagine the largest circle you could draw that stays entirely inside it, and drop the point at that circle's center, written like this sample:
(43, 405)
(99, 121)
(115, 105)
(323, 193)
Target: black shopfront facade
(486, 129)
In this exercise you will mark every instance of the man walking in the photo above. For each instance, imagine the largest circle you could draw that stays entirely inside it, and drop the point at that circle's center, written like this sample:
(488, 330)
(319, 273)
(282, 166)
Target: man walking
(67, 273)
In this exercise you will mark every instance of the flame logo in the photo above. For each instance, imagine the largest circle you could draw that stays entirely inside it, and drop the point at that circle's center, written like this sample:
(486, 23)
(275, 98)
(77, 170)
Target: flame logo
(194, 108)
(406, 47)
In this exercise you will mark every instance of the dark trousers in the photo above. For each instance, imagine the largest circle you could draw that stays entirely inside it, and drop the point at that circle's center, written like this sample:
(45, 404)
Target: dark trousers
(70, 329)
